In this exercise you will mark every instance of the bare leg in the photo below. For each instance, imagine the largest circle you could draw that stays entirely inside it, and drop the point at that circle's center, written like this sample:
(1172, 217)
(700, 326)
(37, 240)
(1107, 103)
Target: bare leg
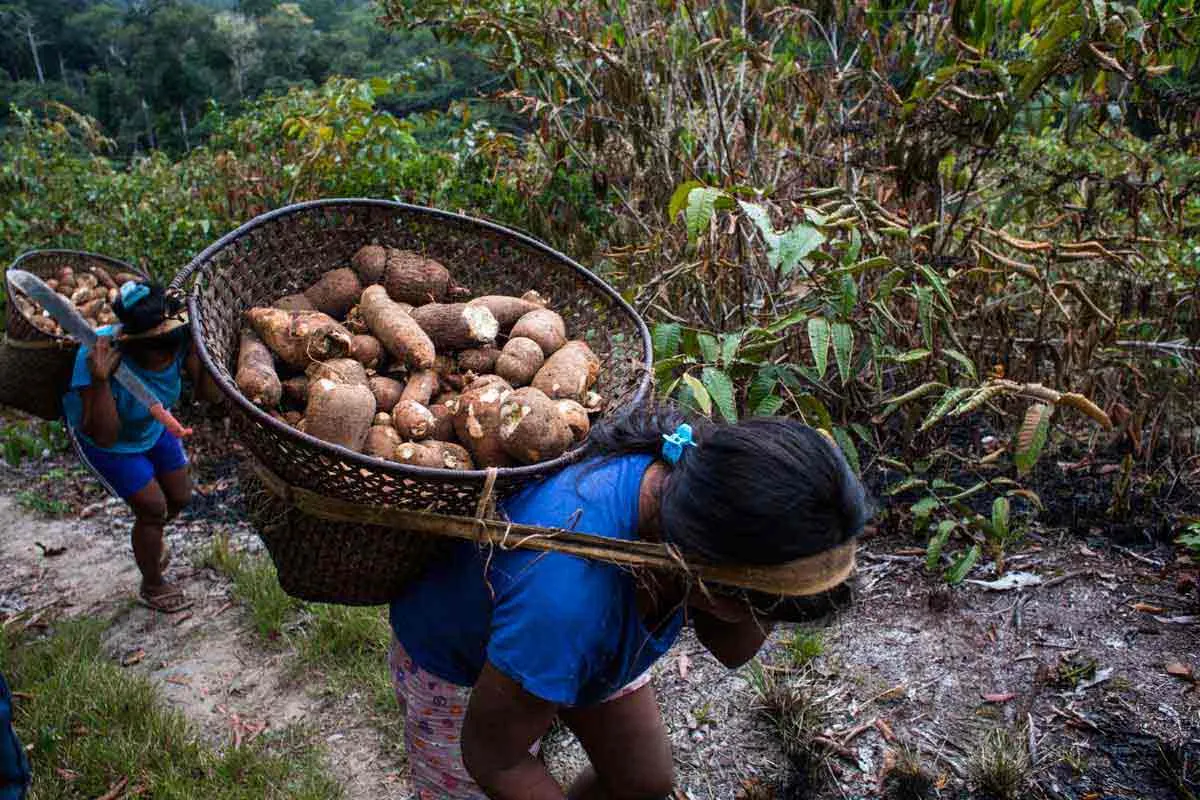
(645, 772)
(150, 510)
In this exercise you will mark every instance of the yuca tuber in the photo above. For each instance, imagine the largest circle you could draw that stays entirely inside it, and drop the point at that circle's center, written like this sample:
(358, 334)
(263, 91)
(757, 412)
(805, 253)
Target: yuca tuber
(338, 370)
(91, 308)
(412, 420)
(396, 331)
(381, 441)
(294, 302)
(507, 310)
(355, 323)
(531, 427)
(102, 275)
(455, 326)
(293, 418)
(421, 386)
(488, 380)
(256, 377)
(412, 278)
(300, 337)
(576, 417)
(443, 420)
(519, 361)
(295, 390)
(366, 350)
(370, 262)
(440, 455)
(569, 373)
(387, 392)
(544, 327)
(339, 413)
(335, 292)
(123, 278)
(384, 418)
(477, 424)
(479, 360)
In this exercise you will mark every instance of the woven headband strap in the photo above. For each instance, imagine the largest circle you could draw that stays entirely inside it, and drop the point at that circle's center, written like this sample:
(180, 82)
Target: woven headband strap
(803, 576)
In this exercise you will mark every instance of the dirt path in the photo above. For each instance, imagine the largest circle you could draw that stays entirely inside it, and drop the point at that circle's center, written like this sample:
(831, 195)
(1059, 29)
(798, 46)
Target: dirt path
(205, 662)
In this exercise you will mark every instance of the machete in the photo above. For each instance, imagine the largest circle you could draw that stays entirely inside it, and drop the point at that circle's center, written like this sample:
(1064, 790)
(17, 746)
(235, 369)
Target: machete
(62, 312)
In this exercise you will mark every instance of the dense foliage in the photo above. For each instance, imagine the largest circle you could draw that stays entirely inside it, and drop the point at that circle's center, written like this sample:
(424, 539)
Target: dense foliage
(151, 72)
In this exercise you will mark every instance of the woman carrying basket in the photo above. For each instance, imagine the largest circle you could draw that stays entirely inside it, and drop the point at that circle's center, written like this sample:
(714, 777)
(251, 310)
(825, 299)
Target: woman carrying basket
(133, 454)
(491, 647)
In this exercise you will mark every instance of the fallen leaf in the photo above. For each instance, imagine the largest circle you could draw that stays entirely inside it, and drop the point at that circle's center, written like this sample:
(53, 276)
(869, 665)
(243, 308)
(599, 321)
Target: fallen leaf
(66, 774)
(1181, 671)
(885, 731)
(1186, 619)
(1149, 609)
(999, 697)
(1013, 580)
(50, 552)
(685, 664)
(133, 658)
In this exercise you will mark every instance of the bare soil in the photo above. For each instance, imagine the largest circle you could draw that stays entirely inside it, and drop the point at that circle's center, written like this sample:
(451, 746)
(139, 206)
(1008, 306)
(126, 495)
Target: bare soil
(1077, 666)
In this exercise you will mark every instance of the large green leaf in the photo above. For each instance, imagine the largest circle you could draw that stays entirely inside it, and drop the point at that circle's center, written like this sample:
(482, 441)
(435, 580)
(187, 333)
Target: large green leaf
(666, 338)
(1000, 512)
(709, 348)
(762, 385)
(1031, 438)
(702, 201)
(793, 246)
(818, 341)
(679, 199)
(769, 406)
(843, 348)
(937, 542)
(699, 393)
(962, 566)
(729, 347)
(720, 389)
(846, 444)
(948, 401)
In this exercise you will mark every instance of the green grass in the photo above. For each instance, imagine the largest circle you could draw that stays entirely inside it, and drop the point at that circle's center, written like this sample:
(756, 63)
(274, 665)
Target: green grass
(346, 646)
(91, 724)
(36, 501)
(805, 645)
(255, 584)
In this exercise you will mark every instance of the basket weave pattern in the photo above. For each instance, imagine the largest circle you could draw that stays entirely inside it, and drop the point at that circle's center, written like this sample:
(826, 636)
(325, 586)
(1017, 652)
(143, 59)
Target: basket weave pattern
(285, 251)
(45, 264)
(35, 367)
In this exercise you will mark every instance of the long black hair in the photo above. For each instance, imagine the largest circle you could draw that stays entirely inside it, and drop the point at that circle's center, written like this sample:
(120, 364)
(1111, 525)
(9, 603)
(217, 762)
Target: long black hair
(764, 491)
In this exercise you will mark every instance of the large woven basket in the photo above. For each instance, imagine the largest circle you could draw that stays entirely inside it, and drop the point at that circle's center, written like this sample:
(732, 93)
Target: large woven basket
(35, 367)
(283, 252)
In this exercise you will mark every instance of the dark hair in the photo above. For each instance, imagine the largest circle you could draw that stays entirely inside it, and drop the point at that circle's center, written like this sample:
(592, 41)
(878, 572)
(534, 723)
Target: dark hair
(764, 491)
(148, 312)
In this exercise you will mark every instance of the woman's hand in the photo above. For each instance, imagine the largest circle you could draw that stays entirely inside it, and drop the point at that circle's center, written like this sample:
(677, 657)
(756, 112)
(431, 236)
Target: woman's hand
(103, 359)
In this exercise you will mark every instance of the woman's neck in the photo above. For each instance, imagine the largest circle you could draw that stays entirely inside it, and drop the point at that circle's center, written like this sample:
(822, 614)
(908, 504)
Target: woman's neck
(658, 593)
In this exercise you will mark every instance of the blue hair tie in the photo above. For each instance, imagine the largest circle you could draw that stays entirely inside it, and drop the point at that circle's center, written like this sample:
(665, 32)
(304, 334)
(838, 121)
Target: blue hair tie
(132, 293)
(674, 443)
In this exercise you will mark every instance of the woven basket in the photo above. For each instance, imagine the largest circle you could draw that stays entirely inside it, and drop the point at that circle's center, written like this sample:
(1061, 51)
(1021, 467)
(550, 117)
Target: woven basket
(283, 252)
(35, 367)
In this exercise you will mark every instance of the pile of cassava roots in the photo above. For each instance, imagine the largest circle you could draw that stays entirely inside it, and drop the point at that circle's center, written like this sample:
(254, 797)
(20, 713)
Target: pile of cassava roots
(389, 357)
(92, 292)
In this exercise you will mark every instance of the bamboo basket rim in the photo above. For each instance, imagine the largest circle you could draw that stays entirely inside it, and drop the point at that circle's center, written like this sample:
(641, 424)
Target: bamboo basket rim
(531, 471)
(65, 253)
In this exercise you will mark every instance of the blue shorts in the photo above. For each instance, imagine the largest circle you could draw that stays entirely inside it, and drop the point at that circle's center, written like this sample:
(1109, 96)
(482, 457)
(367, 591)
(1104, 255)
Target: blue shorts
(126, 474)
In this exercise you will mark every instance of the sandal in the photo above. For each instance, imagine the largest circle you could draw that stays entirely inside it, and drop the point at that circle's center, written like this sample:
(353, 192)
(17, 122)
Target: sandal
(167, 601)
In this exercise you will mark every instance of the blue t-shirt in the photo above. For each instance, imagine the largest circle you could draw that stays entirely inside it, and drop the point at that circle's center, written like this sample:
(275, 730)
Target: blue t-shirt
(567, 629)
(139, 431)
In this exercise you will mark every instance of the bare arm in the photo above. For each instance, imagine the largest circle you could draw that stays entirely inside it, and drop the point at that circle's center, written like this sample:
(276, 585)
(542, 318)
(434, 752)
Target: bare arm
(203, 387)
(100, 421)
(502, 723)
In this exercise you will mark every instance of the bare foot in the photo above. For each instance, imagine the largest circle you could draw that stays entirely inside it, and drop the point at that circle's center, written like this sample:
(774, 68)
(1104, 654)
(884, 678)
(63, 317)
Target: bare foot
(165, 597)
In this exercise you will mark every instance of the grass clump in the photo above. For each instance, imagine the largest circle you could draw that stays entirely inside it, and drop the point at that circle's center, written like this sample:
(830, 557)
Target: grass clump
(905, 776)
(91, 726)
(805, 646)
(1000, 767)
(797, 719)
(256, 584)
